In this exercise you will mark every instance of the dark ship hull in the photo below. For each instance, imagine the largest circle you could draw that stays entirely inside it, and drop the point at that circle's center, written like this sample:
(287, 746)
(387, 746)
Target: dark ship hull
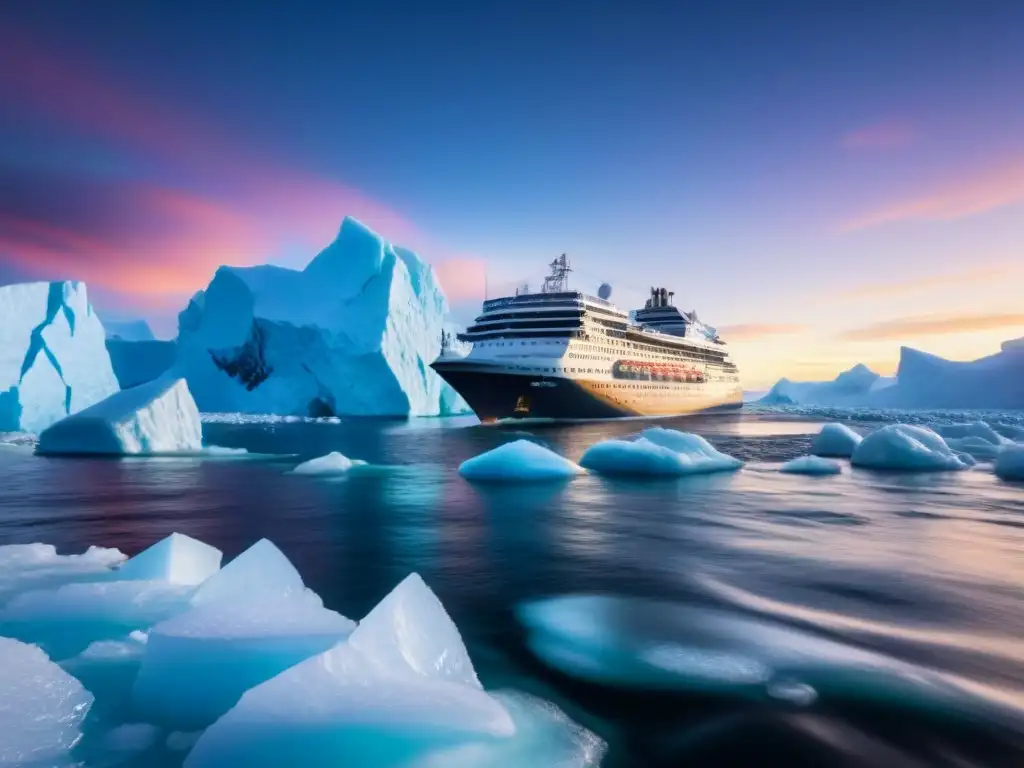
(494, 393)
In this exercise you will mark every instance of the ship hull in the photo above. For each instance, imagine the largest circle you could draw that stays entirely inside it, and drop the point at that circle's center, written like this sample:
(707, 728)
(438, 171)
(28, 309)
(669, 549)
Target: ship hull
(497, 394)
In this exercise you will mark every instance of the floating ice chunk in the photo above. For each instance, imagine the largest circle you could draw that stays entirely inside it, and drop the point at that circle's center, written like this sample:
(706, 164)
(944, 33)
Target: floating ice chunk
(545, 736)
(835, 440)
(658, 451)
(906, 447)
(1010, 463)
(157, 417)
(41, 708)
(410, 628)
(68, 619)
(262, 570)
(333, 463)
(112, 651)
(978, 429)
(33, 566)
(177, 559)
(811, 465)
(223, 649)
(131, 737)
(182, 741)
(519, 460)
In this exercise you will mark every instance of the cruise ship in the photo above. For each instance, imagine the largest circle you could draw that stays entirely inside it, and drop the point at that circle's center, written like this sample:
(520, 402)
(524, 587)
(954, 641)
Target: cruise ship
(562, 354)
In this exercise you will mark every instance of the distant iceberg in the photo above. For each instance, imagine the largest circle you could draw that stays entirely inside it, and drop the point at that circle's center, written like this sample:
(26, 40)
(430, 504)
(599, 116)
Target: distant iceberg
(353, 333)
(153, 418)
(922, 381)
(139, 362)
(53, 361)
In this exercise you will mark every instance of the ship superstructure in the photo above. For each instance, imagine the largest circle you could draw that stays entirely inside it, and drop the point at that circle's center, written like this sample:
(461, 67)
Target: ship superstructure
(565, 354)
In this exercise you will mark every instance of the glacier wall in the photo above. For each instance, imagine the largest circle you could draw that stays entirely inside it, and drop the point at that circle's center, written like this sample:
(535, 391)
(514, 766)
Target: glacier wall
(53, 360)
(353, 333)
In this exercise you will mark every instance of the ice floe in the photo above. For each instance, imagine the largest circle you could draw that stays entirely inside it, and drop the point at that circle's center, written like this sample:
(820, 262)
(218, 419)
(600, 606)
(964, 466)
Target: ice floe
(835, 440)
(811, 465)
(519, 460)
(908, 448)
(1010, 463)
(333, 463)
(658, 451)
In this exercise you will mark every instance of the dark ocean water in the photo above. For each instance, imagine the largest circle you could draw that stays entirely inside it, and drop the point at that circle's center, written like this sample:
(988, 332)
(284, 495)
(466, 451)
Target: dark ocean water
(926, 569)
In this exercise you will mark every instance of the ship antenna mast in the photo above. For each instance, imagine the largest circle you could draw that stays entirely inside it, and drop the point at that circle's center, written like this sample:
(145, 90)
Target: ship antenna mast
(558, 280)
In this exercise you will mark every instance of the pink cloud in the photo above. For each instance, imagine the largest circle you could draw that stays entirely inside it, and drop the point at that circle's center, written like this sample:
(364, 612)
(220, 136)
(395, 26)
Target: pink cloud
(461, 278)
(977, 193)
(885, 135)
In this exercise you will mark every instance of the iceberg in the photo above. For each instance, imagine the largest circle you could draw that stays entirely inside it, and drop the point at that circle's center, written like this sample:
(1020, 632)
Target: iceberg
(659, 452)
(353, 333)
(42, 709)
(909, 448)
(401, 688)
(158, 417)
(176, 559)
(977, 439)
(128, 330)
(519, 460)
(849, 388)
(139, 362)
(53, 361)
(811, 465)
(251, 621)
(835, 440)
(1010, 463)
(333, 463)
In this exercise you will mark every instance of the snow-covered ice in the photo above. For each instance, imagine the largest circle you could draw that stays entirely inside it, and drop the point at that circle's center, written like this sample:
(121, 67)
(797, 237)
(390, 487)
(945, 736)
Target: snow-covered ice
(658, 451)
(811, 465)
(53, 360)
(176, 559)
(909, 448)
(519, 460)
(835, 440)
(1009, 463)
(251, 621)
(42, 708)
(353, 333)
(153, 418)
(33, 566)
(333, 463)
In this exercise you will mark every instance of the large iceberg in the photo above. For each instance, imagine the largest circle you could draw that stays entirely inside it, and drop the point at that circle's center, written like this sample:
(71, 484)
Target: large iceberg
(907, 447)
(250, 621)
(53, 361)
(353, 333)
(835, 440)
(660, 452)
(138, 362)
(158, 417)
(519, 460)
(41, 709)
(922, 381)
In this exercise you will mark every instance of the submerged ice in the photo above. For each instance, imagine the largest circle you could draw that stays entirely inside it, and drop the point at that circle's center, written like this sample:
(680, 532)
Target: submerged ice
(333, 463)
(658, 451)
(519, 460)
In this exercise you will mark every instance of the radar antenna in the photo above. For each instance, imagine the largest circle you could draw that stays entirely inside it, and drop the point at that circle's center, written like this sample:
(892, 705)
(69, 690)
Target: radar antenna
(558, 280)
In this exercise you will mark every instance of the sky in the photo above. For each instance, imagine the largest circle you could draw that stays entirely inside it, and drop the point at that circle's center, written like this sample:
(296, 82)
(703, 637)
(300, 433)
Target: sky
(824, 182)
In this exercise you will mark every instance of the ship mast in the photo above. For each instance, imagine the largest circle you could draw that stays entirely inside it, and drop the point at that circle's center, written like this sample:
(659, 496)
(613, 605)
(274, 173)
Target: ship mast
(558, 280)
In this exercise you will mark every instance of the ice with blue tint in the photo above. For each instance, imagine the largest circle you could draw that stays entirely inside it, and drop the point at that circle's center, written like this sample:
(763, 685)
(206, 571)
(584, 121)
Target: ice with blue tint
(519, 460)
(131, 738)
(353, 333)
(1009, 463)
(53, 361)
(811, 465)
(176, 559)
(977, 439)
(659, 452)
(906, 447)
(157, 417)
(152, 586)
(333, 463)
(400, 688)
(128, 330)
(138, 362)
(252, 621)
(835, 440)
(42, 709)
(24, 567)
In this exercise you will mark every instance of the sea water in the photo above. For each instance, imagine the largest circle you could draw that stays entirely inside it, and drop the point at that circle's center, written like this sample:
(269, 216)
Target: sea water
(924, 571)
